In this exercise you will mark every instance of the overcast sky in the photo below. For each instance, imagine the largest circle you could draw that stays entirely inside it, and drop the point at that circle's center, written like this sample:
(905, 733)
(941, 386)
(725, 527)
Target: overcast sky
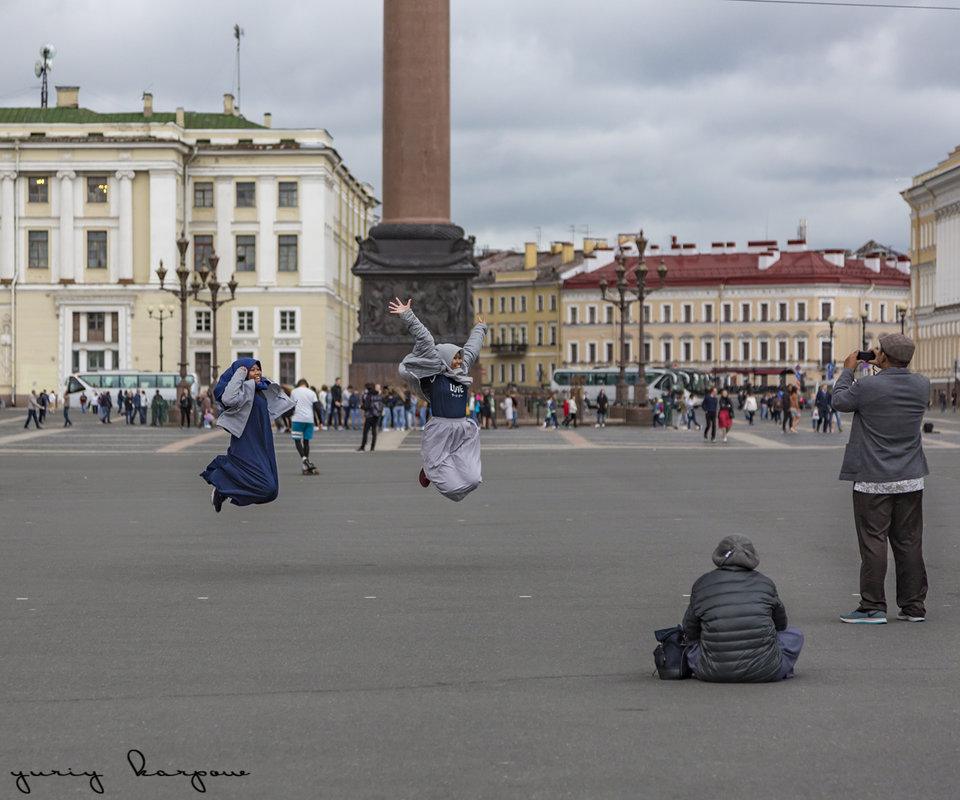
(704, 119)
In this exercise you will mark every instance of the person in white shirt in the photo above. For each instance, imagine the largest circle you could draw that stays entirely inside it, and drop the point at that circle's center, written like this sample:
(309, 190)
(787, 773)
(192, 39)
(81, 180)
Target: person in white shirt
(302, 428)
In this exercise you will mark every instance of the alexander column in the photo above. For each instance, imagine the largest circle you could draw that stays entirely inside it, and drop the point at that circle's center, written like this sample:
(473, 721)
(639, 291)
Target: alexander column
(416, 250)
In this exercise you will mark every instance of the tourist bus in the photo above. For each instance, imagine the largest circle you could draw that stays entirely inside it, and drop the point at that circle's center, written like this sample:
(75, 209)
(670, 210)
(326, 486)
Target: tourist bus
(113, 380)
(592, 379)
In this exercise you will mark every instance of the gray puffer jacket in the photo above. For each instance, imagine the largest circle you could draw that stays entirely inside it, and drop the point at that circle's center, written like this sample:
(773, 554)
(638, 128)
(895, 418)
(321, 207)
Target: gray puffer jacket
(735, 613)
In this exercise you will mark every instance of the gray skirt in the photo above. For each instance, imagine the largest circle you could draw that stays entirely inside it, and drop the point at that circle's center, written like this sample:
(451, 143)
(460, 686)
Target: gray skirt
(450, 449)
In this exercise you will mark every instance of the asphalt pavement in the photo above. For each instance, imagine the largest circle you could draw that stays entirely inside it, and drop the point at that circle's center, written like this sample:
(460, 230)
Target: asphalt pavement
(363, 637)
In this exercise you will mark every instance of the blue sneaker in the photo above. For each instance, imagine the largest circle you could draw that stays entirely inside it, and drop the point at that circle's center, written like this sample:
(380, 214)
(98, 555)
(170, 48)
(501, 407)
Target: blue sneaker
(875, 617)
(909, 617)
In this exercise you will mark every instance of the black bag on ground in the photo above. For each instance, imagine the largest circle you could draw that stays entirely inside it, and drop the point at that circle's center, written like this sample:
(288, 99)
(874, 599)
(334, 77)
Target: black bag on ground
(670, 656)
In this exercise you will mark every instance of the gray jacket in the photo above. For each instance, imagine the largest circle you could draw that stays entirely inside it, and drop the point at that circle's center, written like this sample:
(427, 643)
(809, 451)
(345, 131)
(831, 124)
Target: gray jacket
(735, 614)
(885, 438)
(428, 358)
(237, 402)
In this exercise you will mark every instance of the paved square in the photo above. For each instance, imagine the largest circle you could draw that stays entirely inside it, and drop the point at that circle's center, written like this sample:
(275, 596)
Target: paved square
(365, 638)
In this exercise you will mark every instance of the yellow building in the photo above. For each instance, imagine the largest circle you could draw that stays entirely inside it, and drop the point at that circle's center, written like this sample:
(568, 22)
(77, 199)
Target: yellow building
(934, 200)
(91, 203)
(519, 293)
(743, 315)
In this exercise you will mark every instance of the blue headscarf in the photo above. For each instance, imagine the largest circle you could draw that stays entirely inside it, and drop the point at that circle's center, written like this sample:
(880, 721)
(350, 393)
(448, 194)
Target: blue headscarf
(246, 363)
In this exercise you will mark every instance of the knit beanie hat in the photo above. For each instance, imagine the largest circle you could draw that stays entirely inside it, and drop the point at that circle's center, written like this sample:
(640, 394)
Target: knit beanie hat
(736, 551)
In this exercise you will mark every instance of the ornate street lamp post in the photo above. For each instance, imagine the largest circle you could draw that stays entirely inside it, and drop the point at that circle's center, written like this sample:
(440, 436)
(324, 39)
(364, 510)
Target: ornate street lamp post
(863, 330)
(901, 315)
(181, 293)
(163, 312)
(208, 278)
(831, 321)
(622, 300)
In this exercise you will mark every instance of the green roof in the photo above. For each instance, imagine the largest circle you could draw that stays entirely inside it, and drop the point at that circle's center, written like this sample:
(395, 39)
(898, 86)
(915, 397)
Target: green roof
(84, 116)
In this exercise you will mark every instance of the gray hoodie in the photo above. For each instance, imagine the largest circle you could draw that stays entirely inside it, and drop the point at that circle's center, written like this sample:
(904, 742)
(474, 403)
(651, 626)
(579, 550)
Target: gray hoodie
(429, 358)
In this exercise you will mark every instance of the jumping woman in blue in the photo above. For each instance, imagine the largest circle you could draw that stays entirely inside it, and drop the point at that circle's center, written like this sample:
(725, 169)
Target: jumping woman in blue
(248, 403)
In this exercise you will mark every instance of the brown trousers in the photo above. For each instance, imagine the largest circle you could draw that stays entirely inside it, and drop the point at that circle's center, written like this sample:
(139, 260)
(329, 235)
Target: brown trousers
(899, 518)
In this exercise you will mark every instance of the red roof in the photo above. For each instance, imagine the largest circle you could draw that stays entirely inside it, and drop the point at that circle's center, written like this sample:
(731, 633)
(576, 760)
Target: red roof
(710, 269)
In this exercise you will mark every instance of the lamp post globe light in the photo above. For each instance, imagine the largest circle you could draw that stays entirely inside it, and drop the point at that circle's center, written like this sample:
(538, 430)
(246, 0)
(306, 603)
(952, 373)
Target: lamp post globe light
(831, 321)
(625, 294)
(902, 315)
(162, 313)
(863, 330)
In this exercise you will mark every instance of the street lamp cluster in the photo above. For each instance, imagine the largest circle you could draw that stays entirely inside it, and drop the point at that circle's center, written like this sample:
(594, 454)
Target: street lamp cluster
(622, 300)
(205, 277)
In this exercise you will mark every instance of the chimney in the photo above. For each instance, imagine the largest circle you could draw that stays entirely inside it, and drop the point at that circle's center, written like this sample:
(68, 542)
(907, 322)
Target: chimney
(835, 257)
(903, 264)
(718, 247)
(567, 252)
(267, 120)
(588, 245)
(796, 245)
(530, 255)
(180, 117)
(147, 105)
(768, 259)
(228, 104)
(872, 262)
(556, 247)
(68, 97)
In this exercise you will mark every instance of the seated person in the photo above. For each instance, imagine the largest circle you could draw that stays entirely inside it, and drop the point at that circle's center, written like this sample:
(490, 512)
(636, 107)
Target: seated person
(736, 622)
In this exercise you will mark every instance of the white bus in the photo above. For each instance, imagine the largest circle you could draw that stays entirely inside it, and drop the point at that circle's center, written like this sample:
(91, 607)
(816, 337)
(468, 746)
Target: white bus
(592, 379)
(93, 383)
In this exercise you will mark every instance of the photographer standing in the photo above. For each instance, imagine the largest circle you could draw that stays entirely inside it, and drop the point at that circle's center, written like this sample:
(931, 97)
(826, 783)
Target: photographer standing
(884, 458)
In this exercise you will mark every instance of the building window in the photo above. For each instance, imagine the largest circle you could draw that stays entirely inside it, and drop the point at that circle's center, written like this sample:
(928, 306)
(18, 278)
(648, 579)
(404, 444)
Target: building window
(96, 249)
(553, 334)
(202, 366)
(37, 250)
(513, 304)
(523, 372)
(95, 359)
(667, 348)
(866, 308)
(764, 312)
(591, 352)
(202, 321)
(502, 335)
(666, 313)
(608, 314)
(574, 352)
(539, 302)
(764, 350)
(513, 373)
(97, 189)
(592, 315)
(728, 312)
(96, 326)
(708, 312)
(574, 314)
(553, 302)
(646, 313)
(287, 194)
(686, 351)
(503, 373)
(708, 351)
(727, 348)
(826, 310)
(687, 312)
(202, 250)
(288, 368)
(523, 304)
(245, 322)
(203, 194)
(539, 335)
(781, 350)
(246, 194)
(490, 304)
(523, 334)
(246, 253)
(801, 311)
(801, 350)
(782, 312)
(608, 352)
(745, 351)
(36, 190)
(287, 260)
(503, 304)
(883, 312)
(288, 321)
(744, 312)
(479, 305)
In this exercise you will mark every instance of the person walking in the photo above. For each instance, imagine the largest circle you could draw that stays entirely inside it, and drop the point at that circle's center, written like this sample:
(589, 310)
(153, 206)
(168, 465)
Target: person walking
(822, 402)
(710, 405)
(750, 407)
(336, 404)
(725, 413)
(186, 404)
(158, 410)
(450, 443)
(353, 409)
(83, 402)
(794, 400)
(885, 460)
(573, 410)
(106, 406)
(372, 405)
(66, 411)
(33, 409)
(507, 405)
(692, 402)
(248, 402)
(306, 403)
(602, 404)
(43, 400)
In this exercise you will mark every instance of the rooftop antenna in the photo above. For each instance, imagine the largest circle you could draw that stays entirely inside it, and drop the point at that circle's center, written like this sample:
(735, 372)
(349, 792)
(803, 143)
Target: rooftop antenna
(42, 67)
(802, 230)
(539, 236)
(237, 33)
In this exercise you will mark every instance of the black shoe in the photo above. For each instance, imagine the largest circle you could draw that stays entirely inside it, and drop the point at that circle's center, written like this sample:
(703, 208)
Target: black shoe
(361, 449)
(217, 500)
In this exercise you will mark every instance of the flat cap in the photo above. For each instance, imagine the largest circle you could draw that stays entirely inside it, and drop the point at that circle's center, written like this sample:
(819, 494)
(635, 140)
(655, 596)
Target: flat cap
(897, 346)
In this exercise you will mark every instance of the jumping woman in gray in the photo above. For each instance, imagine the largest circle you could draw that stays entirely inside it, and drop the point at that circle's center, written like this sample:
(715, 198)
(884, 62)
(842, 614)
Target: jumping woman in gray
(440, 374)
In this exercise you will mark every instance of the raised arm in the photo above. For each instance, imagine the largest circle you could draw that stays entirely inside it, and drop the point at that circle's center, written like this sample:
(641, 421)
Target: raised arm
(471, 350)
(424, 345)
(234, 392)
(846, 395)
